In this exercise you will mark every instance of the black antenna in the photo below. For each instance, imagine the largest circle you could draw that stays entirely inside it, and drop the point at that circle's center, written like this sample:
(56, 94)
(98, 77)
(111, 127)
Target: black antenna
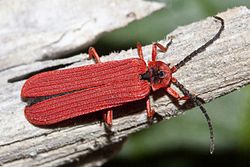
(198, 102)
(203, 47)
(194, 98)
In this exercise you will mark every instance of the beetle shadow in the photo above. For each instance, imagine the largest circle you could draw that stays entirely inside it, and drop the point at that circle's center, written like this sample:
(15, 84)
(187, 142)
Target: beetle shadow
(92, 118)
(96, 117)
(121, 111)
(186, 105)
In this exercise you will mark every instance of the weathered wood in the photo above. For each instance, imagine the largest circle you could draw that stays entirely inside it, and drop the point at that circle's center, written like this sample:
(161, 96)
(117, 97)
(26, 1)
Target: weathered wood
(221, 69)
(32, 30)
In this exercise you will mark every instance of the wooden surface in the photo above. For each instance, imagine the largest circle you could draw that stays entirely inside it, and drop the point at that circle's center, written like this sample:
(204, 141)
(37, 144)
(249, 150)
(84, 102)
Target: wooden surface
(32, 30)
(221, 69)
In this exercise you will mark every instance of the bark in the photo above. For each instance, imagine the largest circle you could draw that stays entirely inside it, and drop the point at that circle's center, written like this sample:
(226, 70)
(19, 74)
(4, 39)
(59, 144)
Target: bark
(222, 68)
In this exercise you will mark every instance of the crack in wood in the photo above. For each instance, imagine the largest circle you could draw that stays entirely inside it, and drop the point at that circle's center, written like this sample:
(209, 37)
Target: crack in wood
(28, 75)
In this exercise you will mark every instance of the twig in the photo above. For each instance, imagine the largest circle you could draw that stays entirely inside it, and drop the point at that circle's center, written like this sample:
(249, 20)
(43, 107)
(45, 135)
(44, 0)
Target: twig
(222, 68)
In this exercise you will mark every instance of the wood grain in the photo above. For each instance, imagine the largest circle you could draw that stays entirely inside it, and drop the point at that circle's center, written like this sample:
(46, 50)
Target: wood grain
(33, 30)
(221, 69)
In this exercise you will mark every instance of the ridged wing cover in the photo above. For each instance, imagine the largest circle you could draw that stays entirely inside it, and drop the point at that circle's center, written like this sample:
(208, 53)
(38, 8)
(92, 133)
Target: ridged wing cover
(94, 87)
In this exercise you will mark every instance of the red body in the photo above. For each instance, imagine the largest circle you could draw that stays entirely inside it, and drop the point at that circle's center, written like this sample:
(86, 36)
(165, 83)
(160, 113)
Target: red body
(56, 96)
(83, 90)
(60, 95)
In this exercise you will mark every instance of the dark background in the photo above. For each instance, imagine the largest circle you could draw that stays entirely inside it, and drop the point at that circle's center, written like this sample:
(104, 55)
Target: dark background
(184, 141)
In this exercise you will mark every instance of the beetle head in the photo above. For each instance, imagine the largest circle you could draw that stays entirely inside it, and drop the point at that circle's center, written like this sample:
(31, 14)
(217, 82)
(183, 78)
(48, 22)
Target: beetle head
(160, 74)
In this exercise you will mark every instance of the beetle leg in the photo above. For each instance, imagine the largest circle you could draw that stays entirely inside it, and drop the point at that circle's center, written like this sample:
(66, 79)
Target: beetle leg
(139, 49)
(198, 102)
(108, 117)
(173, 69)
(93, 53)
(161, 47)
(174, 94)
(150, 111)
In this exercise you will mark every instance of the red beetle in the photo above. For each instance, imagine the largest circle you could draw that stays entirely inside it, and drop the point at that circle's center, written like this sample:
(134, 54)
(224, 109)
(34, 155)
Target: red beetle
(77, 91)
(56, 96)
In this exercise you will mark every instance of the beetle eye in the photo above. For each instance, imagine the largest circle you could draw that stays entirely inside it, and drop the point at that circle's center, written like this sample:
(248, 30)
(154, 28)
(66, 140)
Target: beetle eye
(161, 74)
